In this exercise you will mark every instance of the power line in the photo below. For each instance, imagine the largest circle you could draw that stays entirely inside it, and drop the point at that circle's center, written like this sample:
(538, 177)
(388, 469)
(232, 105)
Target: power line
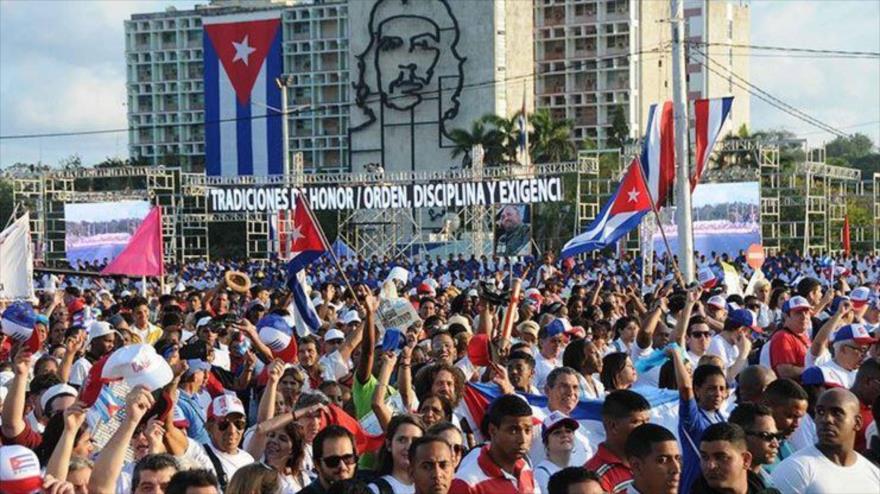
(568, 68)
(769, 98)
(871, 54)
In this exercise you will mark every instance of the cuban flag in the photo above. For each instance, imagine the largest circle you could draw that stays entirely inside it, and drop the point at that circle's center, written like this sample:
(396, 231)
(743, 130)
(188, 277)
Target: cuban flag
(709, 118)
(621, 213)
(478, 396)
(307, 243)
(242, 57)
(658, 153)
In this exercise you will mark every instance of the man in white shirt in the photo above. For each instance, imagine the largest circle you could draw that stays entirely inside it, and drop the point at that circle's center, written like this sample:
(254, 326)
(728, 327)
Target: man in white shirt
(562, 390)
(226, 424)
(732, 344)
(851, 344)
(832, 464)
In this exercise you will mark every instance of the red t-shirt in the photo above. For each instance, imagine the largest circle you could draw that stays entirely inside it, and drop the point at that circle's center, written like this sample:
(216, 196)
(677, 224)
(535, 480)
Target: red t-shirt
(788, 348)
(28, 437)
(867, 419)
(614, 475)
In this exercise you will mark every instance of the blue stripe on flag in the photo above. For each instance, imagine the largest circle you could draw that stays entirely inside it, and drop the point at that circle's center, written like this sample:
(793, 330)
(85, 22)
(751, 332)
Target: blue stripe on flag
(243, 138)
(273, 95)
(212, 108)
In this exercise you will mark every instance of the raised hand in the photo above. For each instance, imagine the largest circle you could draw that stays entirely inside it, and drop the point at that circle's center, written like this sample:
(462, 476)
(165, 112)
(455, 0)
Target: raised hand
(22, 362)
(137, 403)
(275, 371)
(74, 416)
(154, 432)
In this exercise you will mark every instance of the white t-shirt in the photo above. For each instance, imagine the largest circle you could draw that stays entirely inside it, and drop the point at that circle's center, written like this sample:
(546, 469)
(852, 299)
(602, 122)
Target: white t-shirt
(334, 366)
(582, 451)
(79, 371)
(543, 367)
(836, 374)
(396, 486)
(720, 347)
(809, 472)
(196, 454)
(543, 471)
(805, 434)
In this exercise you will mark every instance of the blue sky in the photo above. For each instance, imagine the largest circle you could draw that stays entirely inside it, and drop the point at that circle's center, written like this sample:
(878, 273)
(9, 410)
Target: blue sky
(106, 211)
(720, 193)
(62, 68)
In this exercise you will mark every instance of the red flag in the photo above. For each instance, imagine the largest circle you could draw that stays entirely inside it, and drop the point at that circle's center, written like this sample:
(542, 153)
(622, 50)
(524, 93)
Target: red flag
(143, 254)
(364, 441)
(845, 236)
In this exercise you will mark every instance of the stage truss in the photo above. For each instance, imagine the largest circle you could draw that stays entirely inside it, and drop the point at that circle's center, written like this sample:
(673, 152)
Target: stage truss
(187, 219)
(803, 202)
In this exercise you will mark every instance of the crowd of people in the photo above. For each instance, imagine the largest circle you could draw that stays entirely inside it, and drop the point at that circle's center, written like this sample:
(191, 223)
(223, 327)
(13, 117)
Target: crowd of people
(503, 375)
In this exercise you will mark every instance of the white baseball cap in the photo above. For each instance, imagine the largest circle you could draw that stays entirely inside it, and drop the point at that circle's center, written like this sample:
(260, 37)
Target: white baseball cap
(224, 405)
(19, 470)
(350, 317)
(334, 334)
(717, 301)
(138, 365)
(97, 329)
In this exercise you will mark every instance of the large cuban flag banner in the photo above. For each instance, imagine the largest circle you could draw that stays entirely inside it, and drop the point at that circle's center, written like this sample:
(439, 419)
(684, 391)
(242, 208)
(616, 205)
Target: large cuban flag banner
(242, 57)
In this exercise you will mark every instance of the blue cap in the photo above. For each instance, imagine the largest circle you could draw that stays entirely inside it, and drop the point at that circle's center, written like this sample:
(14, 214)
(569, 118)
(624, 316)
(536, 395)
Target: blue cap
(742, 317)
(838, 300)
(393, 340)
(556, 327)
(41, 319)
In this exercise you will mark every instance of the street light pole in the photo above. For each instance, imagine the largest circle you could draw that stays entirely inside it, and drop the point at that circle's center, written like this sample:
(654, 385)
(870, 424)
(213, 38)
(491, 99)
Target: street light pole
(285, 131)
(682, 171)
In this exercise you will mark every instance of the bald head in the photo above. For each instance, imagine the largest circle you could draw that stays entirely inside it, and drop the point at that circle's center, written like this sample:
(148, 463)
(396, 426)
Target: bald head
(753, 380)
(837, 420)
(840, 397)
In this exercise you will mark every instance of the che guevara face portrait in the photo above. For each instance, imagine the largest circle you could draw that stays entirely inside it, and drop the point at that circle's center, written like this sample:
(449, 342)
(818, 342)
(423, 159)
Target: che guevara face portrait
(407, 51)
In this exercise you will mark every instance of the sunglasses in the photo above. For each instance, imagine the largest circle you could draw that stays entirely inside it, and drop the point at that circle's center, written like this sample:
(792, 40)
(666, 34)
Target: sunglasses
(224, 424)
(767, 436)
(700, 334)
(334, 461)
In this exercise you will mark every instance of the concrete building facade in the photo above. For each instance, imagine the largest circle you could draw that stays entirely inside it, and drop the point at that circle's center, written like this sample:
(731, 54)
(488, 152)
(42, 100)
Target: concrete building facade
(593, 56)
(441, 65)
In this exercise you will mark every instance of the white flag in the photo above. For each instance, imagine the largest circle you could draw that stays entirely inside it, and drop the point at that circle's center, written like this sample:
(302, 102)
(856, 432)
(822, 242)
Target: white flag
(17, 261)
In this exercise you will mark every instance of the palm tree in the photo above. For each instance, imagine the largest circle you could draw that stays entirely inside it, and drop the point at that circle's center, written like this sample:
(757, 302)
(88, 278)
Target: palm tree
(505, 138)
(465, 140)
(550, 139)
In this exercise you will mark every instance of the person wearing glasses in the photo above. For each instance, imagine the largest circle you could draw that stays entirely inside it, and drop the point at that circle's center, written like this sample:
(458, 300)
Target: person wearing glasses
(850, 344)
(222, 456)
(335, 458)
(762, 436)
(698, 337)
(725, 463)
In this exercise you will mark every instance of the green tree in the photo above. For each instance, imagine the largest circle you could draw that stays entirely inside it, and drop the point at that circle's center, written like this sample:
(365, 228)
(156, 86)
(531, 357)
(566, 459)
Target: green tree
(465, 140)
(854, 146)
(503, 138)
(550, 139)
(618, 136)
(6, 204)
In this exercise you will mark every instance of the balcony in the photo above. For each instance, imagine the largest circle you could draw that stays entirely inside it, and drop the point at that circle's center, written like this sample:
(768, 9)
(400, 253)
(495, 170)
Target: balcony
(554, 16)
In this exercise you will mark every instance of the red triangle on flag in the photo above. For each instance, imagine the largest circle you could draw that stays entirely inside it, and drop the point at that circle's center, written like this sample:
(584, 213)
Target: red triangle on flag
(143, 254)
(632, 194)
(242, 48)
(304, 234)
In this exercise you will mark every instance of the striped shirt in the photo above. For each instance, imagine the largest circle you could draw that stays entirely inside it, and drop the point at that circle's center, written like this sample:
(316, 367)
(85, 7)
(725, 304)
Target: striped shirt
(479, 474)
(614, 475)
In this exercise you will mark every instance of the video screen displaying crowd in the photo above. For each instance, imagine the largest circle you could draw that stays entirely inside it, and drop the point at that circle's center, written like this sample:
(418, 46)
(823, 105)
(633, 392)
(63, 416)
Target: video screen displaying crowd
(604, 384)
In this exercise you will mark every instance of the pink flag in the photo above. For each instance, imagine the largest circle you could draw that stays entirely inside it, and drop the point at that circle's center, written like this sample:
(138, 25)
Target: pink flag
(143, 254)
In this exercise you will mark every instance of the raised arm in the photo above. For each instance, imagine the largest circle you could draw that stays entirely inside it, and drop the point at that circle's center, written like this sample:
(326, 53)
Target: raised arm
(72, 346)
(380, 407)
(594, 297)
(647, 325)
(744, 344)
(74, 416)
(111, 459)
(13, 406)
(680, 333)
(404, 376)
(682, 376)
(368, 345)
(250, 331)
(820, 341)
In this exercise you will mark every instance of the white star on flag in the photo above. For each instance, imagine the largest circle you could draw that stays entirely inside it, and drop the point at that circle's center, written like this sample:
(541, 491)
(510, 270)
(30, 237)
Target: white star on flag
(295, 234)
(633, 195)
(242, 50)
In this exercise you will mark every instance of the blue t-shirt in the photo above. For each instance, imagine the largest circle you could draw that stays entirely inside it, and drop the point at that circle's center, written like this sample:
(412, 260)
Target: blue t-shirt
(196, 417)
(692, 422)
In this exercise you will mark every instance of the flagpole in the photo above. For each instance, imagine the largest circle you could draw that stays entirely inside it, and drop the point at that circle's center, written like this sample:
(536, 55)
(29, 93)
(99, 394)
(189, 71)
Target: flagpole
(678, 275)
(327, 246)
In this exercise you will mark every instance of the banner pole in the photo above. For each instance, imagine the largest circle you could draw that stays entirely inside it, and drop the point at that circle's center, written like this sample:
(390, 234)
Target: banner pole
(144, 286)
(678, 275)
(328, 246)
